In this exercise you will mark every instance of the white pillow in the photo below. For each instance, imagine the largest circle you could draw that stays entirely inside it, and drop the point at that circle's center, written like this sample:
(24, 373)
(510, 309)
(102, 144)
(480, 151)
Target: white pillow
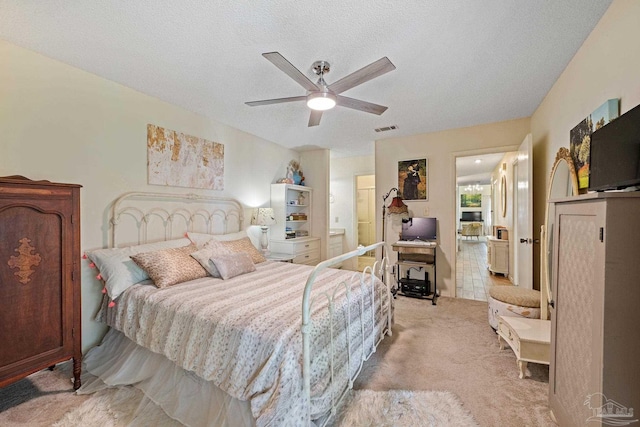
(201, 238)
(118, 270)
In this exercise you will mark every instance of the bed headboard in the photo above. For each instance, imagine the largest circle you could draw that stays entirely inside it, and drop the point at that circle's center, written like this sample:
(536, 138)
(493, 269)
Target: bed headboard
(141, 217)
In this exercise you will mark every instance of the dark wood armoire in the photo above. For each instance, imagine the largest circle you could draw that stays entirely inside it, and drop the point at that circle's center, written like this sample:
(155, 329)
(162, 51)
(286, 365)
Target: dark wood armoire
(39, 277)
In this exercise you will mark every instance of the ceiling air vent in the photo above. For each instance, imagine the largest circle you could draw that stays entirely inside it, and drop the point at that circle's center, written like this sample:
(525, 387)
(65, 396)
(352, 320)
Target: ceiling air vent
(386, 128)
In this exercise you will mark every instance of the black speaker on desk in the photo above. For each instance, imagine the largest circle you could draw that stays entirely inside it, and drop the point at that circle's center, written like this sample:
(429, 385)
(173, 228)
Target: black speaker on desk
(416, 287)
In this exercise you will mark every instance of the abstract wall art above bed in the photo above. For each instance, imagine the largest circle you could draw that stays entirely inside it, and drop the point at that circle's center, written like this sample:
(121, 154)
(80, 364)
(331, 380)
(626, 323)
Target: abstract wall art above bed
(181, 160)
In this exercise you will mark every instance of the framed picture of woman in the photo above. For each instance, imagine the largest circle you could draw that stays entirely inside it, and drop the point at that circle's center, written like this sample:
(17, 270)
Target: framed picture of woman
(412, 179)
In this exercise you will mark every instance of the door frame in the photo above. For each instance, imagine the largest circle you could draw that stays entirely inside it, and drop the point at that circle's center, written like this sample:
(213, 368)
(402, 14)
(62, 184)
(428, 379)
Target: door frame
(520, 253)
(454, 185)
(373, 220)
(513, 273)
(355, 206)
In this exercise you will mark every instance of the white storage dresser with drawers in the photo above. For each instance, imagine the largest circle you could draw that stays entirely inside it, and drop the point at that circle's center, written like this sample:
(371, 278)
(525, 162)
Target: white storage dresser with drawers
(305, 250)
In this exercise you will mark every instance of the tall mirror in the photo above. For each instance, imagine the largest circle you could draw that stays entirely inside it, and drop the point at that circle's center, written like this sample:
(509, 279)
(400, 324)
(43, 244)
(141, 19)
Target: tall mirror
(562, 183)
(503, 196)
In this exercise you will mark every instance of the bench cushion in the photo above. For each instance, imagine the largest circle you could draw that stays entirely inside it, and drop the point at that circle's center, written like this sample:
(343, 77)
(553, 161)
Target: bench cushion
(516, 296)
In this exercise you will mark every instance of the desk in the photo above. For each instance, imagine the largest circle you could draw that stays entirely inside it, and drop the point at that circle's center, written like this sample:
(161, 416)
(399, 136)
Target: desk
(410, 256)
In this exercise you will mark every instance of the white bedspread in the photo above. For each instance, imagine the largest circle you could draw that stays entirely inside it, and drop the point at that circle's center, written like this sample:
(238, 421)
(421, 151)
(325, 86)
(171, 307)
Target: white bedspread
(243, 334)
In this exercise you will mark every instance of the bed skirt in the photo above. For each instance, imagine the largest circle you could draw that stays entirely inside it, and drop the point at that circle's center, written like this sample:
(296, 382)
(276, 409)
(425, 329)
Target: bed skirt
(181, 394)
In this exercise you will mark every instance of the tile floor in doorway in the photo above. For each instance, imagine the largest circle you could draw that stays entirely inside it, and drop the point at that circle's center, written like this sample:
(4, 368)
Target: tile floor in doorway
(473, 279)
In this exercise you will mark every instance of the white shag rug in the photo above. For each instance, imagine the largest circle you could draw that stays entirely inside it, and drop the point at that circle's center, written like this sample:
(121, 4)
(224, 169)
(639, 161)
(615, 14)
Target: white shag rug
(402, 408)
(127, 406)
(117, 407)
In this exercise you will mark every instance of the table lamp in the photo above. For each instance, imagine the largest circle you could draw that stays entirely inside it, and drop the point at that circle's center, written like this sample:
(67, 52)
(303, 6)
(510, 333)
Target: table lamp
(264, 217)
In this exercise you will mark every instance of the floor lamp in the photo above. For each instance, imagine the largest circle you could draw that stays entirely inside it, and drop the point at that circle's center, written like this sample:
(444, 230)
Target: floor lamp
(396, 207)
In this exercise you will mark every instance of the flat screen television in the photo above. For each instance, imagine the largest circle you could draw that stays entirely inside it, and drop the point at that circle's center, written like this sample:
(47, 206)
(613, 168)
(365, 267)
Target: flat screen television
(471, 216)
(615, 153)
(423, 229)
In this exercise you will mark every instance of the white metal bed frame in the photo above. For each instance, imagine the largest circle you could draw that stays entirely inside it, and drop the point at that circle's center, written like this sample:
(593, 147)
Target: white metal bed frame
(198, 213)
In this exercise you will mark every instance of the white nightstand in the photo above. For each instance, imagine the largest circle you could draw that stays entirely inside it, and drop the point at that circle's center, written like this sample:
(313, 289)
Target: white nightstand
(275, 256)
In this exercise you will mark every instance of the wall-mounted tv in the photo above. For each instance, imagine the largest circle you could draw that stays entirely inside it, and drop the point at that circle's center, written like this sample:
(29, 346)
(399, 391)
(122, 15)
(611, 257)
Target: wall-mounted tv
(471, 216)
(615, 153)
(422, 229)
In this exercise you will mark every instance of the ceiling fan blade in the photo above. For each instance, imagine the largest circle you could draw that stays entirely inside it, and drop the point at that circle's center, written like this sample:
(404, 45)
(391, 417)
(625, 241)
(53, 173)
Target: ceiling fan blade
(276, 101)
(288, 68)
(356, 104)
(371, 71)
(314, 118)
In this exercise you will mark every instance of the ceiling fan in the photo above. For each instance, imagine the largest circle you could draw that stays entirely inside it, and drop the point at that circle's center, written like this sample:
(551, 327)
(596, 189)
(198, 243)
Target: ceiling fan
(321, 96)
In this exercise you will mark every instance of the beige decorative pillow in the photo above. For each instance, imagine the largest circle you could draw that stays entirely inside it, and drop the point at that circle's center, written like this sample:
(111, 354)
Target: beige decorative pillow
(170, 266)
(245, 245)
(233, 265)
(211, 249)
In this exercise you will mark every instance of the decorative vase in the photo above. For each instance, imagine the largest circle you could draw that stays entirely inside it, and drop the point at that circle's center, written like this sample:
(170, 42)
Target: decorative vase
(297, 178)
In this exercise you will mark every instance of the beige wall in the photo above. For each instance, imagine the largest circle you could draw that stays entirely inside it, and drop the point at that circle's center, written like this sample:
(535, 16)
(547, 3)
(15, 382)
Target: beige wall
(496, 176)
(66, 125)
(508, 219)
(441, 149)
(343, 186)
(606, 66)
(315, 165)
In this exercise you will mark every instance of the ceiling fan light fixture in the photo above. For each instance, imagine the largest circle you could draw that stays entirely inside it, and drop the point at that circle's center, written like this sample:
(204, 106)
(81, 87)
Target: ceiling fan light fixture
(321, 101)
(320, 96)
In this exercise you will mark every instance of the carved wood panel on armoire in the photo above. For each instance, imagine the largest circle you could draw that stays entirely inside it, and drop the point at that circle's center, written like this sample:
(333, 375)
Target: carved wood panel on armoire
(39, 277)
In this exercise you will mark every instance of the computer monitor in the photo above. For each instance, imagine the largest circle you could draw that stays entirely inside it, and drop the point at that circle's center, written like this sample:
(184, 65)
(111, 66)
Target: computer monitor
(423, 229)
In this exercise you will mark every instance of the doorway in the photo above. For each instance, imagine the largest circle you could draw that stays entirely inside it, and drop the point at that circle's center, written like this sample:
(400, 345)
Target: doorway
(475, 210)
(365, 212)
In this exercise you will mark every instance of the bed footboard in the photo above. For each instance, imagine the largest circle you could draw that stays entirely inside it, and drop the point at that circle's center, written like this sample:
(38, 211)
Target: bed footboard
(366, 280)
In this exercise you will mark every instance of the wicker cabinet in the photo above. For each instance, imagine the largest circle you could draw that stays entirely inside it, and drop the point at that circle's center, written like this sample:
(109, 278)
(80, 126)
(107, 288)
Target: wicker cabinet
(594, 375)
(39, 277)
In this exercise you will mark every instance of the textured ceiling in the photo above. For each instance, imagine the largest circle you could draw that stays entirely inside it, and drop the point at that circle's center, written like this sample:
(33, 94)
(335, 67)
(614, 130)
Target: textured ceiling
(459, 63)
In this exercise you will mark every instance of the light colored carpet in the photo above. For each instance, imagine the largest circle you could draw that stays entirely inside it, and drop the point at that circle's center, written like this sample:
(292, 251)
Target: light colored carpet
(40, 399)
(449, 347)
(398, 408)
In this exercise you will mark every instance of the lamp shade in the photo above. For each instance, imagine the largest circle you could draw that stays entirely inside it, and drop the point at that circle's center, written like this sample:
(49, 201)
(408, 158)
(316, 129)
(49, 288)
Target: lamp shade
(263, 216)
(397, 206)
